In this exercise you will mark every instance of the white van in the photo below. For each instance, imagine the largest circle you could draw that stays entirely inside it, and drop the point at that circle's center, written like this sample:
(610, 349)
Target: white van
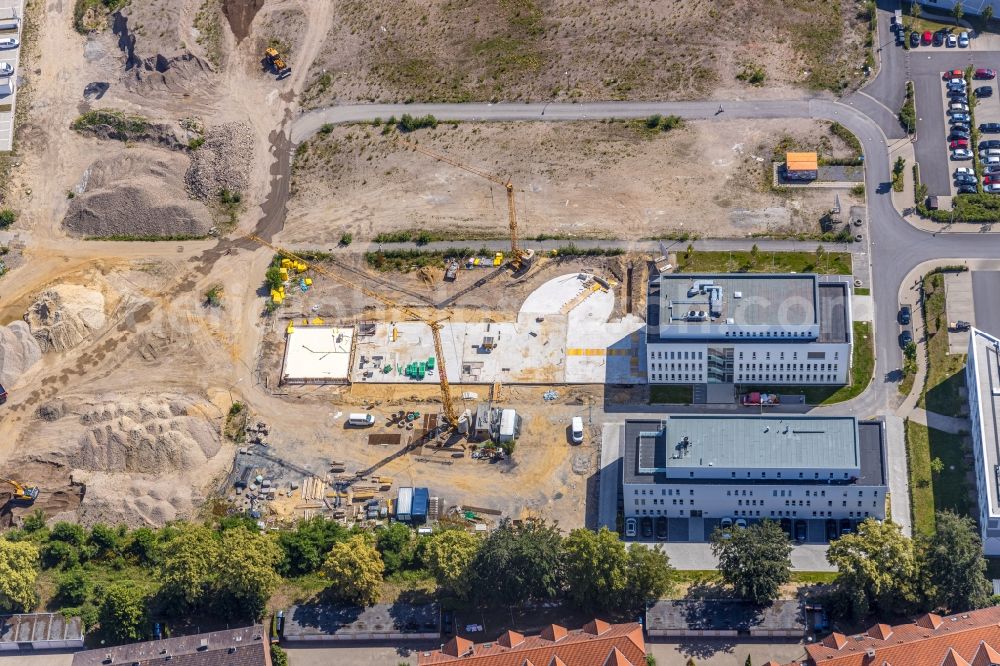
(360, 420)
(576, 430)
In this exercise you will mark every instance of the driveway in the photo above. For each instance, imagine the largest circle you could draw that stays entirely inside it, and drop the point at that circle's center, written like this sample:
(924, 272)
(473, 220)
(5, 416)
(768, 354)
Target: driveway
(931, 148)
(986, 299)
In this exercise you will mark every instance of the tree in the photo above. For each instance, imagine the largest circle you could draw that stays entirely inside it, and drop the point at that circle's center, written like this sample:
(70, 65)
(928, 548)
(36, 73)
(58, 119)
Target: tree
(18, 573)
(354, 569)
(518, 563)
(820, 255)
(395, 545)
(958, 11)
(59, 554)
(748, 662)
(448, 556)
(596, 568)
(278, 656)
(104, 540)
(305, 547)
(650, 576)
(937, 466)
(72, 587)
(71, 533)
(190, 563)
(953, 564)
(754, 560)
(877, 569)
(123, 613)
(915, 9)
(754, 254)
(247, 560)
(141, 546)
(273, 277)
(987, 13)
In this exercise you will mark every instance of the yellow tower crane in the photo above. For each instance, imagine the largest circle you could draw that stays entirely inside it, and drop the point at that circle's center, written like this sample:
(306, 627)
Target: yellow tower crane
(435, 325)
(519, 257)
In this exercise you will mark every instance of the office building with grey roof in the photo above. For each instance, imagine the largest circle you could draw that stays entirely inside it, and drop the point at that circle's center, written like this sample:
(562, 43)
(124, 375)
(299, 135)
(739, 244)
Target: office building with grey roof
(982, 372)
(748, 328)
(683, 475)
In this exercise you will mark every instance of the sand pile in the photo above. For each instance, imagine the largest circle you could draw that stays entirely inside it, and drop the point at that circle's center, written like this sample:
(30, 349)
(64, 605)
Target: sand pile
(136, 193)
(142, 460)
(149, 435)
(18, 351)
(64, 316)
(222, 162)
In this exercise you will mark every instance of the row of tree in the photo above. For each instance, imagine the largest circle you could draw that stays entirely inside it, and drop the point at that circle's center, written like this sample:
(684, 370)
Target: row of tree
(880, 570)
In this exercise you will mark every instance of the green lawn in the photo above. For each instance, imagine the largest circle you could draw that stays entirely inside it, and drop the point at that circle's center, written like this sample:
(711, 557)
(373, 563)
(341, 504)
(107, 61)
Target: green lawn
(945, 372)
(670, 394)
(862, 291)
(862, 367)
(696, 261)
(929, 492)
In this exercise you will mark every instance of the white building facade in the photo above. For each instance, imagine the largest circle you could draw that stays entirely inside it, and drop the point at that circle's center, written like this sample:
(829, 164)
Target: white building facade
(754, 467)
(982, 373)
(749, 328)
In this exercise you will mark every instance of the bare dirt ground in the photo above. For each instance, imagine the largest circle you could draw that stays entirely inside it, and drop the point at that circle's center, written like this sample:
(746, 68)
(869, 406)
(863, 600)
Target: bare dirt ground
(465, 50)
(602, 180)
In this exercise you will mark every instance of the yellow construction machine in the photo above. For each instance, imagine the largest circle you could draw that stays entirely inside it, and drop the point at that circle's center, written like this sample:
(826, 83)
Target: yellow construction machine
(22, 494)
(276, 62)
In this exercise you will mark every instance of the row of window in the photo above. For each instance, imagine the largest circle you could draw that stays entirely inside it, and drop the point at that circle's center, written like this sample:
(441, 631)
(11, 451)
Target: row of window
(676, 502)
(772, 367)
(756, 514)
(677, 355)
(670, 492)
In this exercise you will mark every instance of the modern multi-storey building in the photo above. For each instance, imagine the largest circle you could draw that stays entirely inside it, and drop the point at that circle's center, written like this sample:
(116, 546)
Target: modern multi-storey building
(816, 475)
(983, 381)
(748, 328)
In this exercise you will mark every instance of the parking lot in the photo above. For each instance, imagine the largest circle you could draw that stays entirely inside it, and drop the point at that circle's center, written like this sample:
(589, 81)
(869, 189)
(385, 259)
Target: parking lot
(9, 57)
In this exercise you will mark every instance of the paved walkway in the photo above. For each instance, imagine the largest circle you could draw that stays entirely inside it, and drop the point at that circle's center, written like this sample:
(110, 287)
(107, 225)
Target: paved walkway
(951, 424)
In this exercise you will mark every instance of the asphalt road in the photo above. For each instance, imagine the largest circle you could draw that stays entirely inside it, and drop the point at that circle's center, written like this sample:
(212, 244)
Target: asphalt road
(931, 148)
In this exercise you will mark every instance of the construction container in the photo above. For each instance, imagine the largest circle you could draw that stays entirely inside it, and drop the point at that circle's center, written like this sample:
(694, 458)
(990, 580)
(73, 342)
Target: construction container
(404, 505)
(421, 499)
(508, 425)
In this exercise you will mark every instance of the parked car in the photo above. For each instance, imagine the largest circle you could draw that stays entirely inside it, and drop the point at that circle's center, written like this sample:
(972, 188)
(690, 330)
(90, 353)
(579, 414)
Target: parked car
(957, 91)
(989, 179)
(958, 106)
(905, 338)
(9, 43)
(914, 40)
(661, 528)
(630, 528)
(927, 38)
(952, 74)
(965, 179)
(576, 429)
(983, 91)
(992, 188)
(963, 40)
(960, 117)
(967, 189)
(964, 171)
(801, 530)
(961, 127)
(959, 143)
(831, 530)
(984, 73)
(6, 69)
(939, 37)
(991, 160)
(957, 82)
(647, 527)
(989, 143)
(991, 169)
(900, 38)
(989, 128)
(904, 315)
(741, 522)
(959, 134)
(961, 154)
(951, 42)
(726, 525)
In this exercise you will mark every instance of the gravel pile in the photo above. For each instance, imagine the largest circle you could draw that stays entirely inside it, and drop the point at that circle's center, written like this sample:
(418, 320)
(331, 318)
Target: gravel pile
(138, 193)
(222, 162)
(64, 316)
(18, 352)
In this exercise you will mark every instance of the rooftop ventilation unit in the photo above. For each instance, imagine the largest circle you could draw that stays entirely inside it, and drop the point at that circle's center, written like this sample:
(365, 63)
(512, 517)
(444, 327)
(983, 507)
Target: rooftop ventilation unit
(737, 294)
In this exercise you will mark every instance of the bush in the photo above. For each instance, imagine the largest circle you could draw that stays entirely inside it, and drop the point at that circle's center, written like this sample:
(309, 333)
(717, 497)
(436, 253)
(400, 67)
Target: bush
(7, 218)
(408, 123)
(908, 114)
(71, 590)
(858, 190)
(897, 174)
(847, 137)
(273, 277)
(214, 296)
(752, 73)
(326, 128)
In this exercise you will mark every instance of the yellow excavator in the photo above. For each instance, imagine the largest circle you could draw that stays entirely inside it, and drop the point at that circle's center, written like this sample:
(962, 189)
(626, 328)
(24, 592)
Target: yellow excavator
(22, 494)
(276, 62)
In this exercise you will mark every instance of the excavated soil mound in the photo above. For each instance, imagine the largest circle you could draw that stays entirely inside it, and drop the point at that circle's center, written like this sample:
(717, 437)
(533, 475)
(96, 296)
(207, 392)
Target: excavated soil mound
(64, 316)
(139, 460)
(149, 435)
(240, 14)
(18, 351)
(222, 162)
(137, 193)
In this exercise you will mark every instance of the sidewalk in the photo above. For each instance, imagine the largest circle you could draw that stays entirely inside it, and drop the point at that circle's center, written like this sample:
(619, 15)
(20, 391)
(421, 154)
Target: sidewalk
(941, 422)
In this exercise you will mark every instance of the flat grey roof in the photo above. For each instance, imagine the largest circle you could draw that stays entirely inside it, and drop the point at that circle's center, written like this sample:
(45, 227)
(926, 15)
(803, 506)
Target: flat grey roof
(39, 627)
(985, 354)
(724, 614)
(834, 322)
(765, 298)
(345, 621)
(248, 645)
(740, 441)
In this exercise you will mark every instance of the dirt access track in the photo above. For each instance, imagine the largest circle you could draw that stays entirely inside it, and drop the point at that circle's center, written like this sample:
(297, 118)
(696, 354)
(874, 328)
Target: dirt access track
(612, 179)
